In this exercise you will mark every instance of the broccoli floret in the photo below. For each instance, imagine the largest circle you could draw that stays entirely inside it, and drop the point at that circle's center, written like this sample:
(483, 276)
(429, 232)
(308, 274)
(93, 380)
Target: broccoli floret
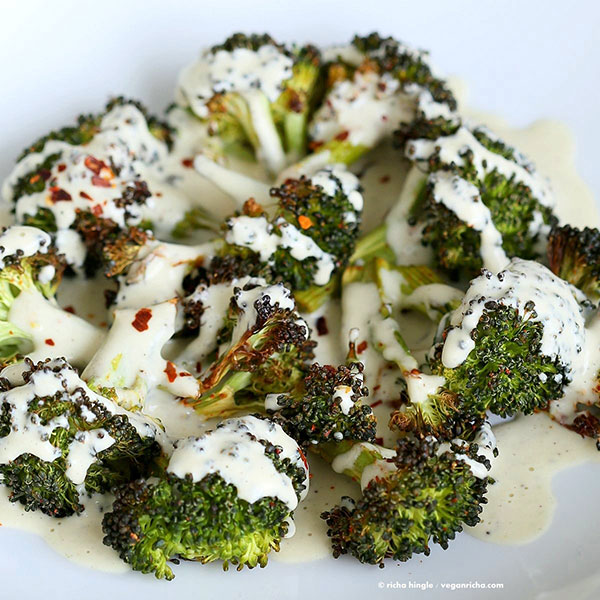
(574, 255)
(422, 493)
(210, 505)
(482, 200)
(255, 94)
(327, 406)
(95, 184)
(28, 262)
(373, 86)
(264, 348)
(60, 440)
(508, 348)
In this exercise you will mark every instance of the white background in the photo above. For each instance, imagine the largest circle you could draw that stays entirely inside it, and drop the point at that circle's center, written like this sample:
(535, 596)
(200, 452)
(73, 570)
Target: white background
(525, 60)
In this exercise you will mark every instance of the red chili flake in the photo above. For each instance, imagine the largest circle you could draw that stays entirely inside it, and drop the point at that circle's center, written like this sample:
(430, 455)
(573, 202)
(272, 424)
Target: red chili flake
(384, 118)
(305, 222)
(362, 347)
(142, 317)
(49, 341)
(376, 387)
(100, 182)
(61, 167)
(45, 174)
(97, 210)
(188, 163)
(340, 137)
(184, 374)
(35, 178)
(382, 86)
(171, 372)
(69, 309)
(377, 403)
(303, 458)
(384, 179)
(322, 328)
(198, 367)
(315, 145)
(86, 196)
(379, 441)
(59, 195)
(94, 165)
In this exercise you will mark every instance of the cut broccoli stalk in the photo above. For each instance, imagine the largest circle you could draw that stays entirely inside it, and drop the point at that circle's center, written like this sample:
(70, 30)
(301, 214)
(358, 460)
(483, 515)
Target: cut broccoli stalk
(129, 362)
(207, 509)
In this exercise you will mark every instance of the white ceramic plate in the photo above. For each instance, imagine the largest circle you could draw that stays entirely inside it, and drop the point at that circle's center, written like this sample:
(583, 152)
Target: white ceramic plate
(524, 60)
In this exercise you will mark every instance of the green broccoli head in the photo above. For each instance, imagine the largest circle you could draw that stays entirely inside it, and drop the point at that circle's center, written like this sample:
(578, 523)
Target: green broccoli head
(326, 407)
(210, 504)
(60, 440)
(82, 133)
(28, 261)
(508, 348)
(264, 348)
(424, 493)
(574, 255)
(307, 240)
(481, 202)
(395, 83)
(255, 95)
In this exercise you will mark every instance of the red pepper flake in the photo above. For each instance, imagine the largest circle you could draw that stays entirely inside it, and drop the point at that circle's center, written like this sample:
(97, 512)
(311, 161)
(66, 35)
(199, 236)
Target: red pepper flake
(315, 145)
(384, 179)
(94, 165)
(362, 347)
(376, 387)
(45, 174)
(377, 403)
(188, 163)
(379, 441)
(322, 328)
(340, 137)
(49, 342)
(69, 309)
(171, 372)
(184, 374)
(303, 458)
(35, 178)
(85, 196)
(61, 167)
(100, 182)
(97, 210)
(142, 317)
(198, 367)
(59, 195)
(305, 222)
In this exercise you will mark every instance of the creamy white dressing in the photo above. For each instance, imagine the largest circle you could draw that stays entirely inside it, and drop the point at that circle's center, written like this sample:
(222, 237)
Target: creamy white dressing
(523, 282)
(234, 451)
(158, 272)
(23, 241)
(521, 502)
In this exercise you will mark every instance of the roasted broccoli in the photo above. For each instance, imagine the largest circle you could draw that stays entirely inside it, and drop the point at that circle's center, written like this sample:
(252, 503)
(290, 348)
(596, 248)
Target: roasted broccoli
(228, 495)
(422, 493)
(327, 407)
(264, 348)
(100, 182)
(31, 322)
(59, 440)
(512, 345)
(481, 202)
(574, 255)
(255, 96)
(373, 86)
(303, 237)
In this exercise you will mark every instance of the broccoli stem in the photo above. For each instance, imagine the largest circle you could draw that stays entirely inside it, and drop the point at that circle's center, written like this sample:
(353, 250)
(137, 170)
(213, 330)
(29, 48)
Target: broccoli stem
(315, 296)
(294, 127)
(219, 400)
(372, 245)
(237, 186)
(349, 457)
(270, 149)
